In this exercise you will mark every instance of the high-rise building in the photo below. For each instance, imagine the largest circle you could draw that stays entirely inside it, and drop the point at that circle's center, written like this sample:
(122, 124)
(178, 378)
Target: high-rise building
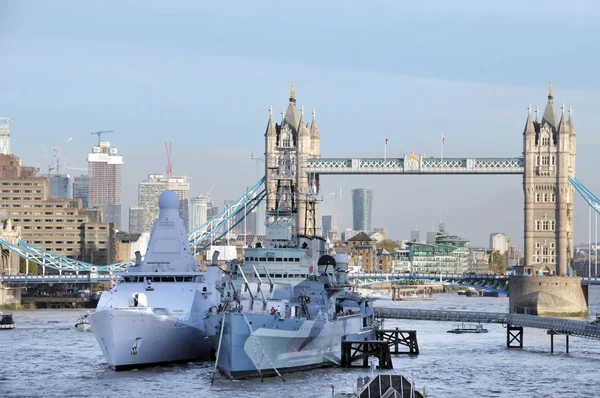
(61, 186)
(362, 201)
(135, 219)
(104, 170)
(332, 227)
(499, 242)
(198, 211)
(148, 192)
(81, 189)
(211, 210)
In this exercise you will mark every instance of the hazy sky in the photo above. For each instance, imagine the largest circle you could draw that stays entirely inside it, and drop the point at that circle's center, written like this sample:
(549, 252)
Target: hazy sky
(203, 75)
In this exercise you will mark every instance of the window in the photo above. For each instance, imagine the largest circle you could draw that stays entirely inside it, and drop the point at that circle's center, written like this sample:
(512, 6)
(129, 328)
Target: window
(552, 225)
(552, 197)
(545, 197)
(545, 140)
(545, 160)
(552, 160)
(538, 225)
(537, 245)
(537, 197)
(537, 160)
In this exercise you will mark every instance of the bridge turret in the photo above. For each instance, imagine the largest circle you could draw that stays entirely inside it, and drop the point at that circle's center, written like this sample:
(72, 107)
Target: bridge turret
(315, 137)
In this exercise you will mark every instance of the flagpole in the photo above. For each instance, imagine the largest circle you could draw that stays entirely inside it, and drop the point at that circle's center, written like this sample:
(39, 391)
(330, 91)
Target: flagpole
(442, 151)
(385, 149)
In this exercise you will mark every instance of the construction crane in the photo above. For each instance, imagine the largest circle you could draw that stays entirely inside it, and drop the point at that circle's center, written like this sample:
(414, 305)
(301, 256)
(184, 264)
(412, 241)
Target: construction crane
(99, 134)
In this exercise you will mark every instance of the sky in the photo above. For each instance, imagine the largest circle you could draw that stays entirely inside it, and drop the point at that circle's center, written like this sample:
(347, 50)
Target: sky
(202, 75)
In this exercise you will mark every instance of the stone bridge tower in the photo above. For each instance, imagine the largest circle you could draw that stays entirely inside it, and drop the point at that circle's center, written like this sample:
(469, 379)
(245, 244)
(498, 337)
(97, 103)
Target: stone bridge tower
(549, 157)
(292, 142)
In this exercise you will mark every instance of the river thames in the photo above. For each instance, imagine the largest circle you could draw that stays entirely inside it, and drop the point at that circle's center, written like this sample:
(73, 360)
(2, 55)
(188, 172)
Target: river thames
(46, 357)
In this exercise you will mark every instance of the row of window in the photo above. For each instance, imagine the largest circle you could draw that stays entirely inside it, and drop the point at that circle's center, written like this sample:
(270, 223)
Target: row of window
(137, 279)
(28, 184)
(545, 252)
(545, 225)
(546, 259)
(44, 221)
(272, 259)
(545, 197)
(24, 191)
(545, 160)
(538, 245)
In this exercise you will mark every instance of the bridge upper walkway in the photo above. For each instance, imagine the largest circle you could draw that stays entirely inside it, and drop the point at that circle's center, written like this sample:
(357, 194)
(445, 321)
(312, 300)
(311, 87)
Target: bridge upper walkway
(557, 325)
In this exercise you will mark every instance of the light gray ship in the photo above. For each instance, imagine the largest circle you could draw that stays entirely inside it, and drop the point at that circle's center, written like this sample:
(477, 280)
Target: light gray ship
(287, 306)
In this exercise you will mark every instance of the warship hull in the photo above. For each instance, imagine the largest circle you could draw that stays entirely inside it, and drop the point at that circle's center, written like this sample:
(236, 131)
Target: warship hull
(131, 339)
(279, 344)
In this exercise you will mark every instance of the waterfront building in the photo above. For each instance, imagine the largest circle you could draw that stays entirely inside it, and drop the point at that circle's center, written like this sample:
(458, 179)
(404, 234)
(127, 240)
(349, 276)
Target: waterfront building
(135, 219)
(362, 202)
(148, 192)
(332, 226)
(198, 211)
(81, 188)
(366, 257)
(499, 242)
(105, 190)
(445, 253)
(350, 233)
(61, 186)
(61, 226)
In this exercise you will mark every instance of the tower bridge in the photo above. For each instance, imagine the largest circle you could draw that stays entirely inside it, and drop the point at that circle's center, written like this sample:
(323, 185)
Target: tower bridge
(293, 166)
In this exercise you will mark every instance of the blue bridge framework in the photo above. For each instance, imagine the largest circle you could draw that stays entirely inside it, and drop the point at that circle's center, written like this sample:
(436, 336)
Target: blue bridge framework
(221, 224)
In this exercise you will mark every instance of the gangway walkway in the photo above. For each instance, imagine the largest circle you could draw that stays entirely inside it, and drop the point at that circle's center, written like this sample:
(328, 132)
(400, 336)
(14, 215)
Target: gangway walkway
(556, 325)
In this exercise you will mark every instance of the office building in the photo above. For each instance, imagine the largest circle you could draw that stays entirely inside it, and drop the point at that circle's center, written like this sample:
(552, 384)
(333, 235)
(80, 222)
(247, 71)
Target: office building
(81, 187)
(362, 201)
(135, 219)
(499, 242)
(148, 192)
(198, 211)
(332, 227)
(61, 186)
(104, 171)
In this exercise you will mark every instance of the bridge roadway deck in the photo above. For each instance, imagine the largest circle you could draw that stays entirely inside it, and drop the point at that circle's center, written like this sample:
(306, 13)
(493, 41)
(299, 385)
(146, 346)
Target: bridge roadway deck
(557, 325)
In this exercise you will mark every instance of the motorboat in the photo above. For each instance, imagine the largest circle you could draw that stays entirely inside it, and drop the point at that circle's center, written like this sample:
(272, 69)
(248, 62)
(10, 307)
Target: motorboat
(6, 321)
(83, 323)
(153, 313)
(461, 328)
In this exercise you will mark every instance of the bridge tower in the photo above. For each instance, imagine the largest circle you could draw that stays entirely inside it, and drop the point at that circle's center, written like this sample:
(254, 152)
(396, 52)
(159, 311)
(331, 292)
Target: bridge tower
(549, 158)
(292, 141)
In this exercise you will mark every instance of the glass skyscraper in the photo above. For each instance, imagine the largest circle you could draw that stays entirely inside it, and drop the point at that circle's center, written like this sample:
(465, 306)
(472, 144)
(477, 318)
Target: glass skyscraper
(362, 200)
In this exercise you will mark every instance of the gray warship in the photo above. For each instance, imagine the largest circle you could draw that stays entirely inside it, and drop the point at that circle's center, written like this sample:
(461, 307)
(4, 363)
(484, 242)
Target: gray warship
(287, 306)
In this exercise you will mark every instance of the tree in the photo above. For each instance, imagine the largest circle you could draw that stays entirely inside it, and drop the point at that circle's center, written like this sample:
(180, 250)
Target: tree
(33, 267)
(388, 245)
(497, 263)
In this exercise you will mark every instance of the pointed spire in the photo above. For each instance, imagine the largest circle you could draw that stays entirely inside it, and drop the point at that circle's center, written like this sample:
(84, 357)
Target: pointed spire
(570, 121)
(292, 94)
(314, 129)
(270, 124)
(562, 125)
(537, 112)
(529, 128)
(302, 130)
(549, 112)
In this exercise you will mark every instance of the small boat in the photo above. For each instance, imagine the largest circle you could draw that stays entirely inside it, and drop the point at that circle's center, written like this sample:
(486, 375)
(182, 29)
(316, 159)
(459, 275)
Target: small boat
(83, 323)
(6, 321)
(460, 329)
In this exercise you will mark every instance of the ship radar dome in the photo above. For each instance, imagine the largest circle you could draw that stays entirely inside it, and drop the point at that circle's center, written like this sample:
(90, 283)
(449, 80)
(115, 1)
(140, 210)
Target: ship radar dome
(168, 200)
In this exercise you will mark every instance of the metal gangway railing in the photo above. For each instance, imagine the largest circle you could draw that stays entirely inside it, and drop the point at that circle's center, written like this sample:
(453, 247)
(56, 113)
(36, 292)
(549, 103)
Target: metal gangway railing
(557, 325)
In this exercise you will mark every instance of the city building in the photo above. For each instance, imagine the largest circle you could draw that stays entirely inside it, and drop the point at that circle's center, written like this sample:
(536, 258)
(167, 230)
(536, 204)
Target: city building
(211, 210)
(61, 226)
(104, 171)
(366, 257)
(198, 211)
(332, 227)
(499, 242)
(443, 253)
(349, 233)
(129, 243)
(383, 231)
(5, 138)
(61, 186)
(135, 219)
(81, 189)
(148, 192)
(362, 202)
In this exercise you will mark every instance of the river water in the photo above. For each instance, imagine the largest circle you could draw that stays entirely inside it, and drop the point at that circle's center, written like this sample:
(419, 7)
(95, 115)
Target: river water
(46, 357)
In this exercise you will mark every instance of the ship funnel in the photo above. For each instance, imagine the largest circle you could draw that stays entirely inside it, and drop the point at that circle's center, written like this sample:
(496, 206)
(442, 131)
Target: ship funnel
(215, 258)
(138, 258)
